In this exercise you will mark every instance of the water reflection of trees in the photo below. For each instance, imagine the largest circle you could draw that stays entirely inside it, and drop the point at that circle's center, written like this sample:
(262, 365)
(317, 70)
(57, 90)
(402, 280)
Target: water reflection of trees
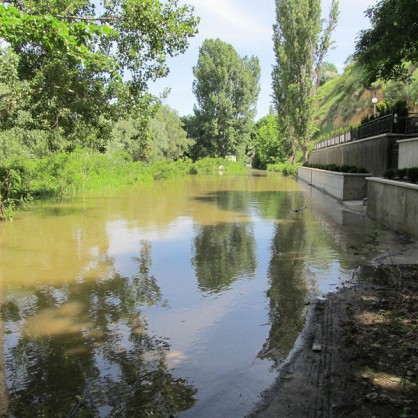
(222, 254)
(287, 291)
(231, 200)
(90, 340)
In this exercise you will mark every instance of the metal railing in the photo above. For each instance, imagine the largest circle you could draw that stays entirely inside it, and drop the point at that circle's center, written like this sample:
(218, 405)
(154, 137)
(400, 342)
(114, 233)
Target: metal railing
(375, 127)
(411, 124)
(338, 139)
(393, 123)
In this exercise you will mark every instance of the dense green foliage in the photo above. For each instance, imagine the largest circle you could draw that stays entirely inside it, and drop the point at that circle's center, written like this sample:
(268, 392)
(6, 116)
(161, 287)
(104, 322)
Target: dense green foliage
(226, 88)
(299, 49)
(328, 71)
(286, 168)
(168, 138)
(75, 112)
(337, 168)
(392, 40)
(72, 70)
(402, 174)
(267, 146)
(64, 174)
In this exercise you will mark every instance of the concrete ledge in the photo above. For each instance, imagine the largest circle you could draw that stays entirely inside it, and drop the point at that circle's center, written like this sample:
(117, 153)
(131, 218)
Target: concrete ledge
(342, 186)
(395, 203)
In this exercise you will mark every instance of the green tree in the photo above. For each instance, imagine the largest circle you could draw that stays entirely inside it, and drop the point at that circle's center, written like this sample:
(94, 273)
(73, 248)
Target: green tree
(325, 42)
(226, 89)
(328, 72)
(384, 49)
(81, 63)
(266, 144)
(299, 49)
(169, 139)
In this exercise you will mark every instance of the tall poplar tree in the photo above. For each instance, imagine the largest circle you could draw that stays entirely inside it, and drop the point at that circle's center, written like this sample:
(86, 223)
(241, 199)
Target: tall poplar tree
(299, 47)
(226, 89)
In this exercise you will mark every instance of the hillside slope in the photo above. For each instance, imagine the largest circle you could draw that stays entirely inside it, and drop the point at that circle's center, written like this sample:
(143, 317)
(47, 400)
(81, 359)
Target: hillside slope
(343, 100)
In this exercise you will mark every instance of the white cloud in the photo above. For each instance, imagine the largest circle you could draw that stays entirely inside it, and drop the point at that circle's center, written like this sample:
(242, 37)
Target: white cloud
(232, 13)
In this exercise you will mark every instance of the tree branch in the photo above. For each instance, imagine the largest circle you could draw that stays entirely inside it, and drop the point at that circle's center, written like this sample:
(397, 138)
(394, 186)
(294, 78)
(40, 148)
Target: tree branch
(93, 19)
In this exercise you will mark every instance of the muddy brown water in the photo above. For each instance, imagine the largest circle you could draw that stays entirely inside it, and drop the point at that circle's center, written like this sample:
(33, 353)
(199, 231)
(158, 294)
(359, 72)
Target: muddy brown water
(178, 298)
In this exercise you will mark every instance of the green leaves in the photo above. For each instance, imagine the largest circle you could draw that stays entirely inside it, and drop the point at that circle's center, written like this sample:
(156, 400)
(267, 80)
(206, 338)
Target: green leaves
(51, 36)
(299, 47)
(226, 88)
(392, 40)
(80, 65)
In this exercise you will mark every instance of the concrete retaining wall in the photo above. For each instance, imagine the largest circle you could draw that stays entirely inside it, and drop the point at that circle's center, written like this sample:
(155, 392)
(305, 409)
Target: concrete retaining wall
(373, 154)
(342, 186)
(408, 153)
(394, 203)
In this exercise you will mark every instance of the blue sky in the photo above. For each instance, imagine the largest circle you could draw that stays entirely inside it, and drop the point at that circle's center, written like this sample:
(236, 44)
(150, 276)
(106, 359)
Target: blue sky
(248, 26)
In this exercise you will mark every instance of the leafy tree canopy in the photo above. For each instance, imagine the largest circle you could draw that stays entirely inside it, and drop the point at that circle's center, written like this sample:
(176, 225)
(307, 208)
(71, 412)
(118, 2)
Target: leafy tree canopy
(81, 61)
(226, 89)
(328, 72)
(267, 143)
(392, 40)
(300, 45)
(169, 139)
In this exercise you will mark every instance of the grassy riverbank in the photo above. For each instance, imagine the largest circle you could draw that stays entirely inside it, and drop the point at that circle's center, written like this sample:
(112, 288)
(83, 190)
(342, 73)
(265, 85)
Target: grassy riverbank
(65, 174)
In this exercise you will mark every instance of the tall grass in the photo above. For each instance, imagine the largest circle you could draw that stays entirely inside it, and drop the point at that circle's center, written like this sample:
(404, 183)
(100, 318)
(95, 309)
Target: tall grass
(65, 174)
(285, 168)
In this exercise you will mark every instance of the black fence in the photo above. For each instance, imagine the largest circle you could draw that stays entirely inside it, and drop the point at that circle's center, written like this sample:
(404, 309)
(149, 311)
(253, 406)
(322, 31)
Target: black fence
(404, 125)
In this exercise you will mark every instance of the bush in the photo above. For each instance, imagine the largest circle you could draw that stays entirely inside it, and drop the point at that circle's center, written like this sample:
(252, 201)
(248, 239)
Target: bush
(401, 173)
(285, 168)
(413, 174)
(334, 167)
(389, 174)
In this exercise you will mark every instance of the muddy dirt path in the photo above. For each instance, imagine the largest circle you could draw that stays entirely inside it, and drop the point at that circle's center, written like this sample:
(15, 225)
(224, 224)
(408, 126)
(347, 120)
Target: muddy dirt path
(358, 355)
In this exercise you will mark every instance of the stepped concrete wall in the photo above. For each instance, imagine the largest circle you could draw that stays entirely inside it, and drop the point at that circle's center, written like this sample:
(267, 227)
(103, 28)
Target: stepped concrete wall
(342, 186)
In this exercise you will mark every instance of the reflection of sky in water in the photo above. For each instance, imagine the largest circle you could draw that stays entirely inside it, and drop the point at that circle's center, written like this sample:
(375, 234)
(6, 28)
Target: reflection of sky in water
(217, 326)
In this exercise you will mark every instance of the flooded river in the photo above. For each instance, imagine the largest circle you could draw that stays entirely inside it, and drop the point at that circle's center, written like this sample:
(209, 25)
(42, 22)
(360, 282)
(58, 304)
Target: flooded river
(181, 298)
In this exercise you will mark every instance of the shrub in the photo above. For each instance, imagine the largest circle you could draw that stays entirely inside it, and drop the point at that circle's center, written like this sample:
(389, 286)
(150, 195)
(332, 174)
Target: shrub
(285, 168)
(401, 173)
(334, 167)
(413, 174)
(389, 174)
